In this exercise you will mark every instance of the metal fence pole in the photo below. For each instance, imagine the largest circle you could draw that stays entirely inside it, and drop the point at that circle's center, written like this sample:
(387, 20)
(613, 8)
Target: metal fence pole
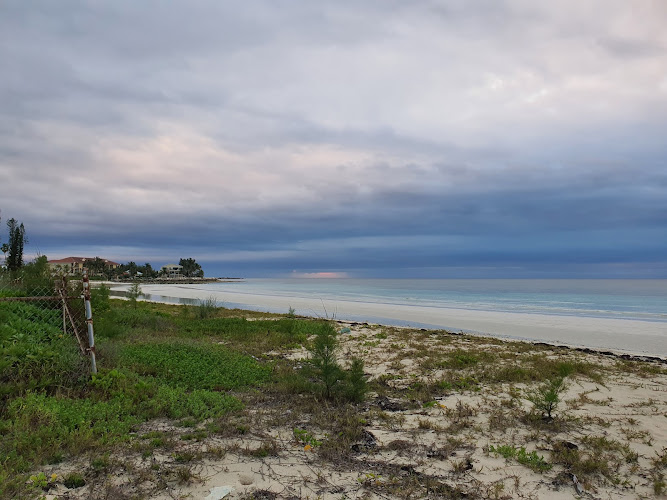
(89, 320)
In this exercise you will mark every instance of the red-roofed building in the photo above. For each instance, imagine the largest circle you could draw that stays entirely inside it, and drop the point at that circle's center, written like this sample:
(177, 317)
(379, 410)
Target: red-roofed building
(75, 265)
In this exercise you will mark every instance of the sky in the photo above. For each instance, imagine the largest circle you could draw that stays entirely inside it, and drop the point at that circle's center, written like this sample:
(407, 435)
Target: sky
(372, 138)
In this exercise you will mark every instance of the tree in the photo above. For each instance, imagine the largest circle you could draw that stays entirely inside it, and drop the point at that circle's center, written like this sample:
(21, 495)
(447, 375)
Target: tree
(132, 268)
(191, 269)
(149, 272)
(96, 266)
(36, 277)
(114, 272)
(5, 247)
(17, 240)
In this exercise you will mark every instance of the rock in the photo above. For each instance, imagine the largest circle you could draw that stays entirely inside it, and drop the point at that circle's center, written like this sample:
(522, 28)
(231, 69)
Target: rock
(246, 479)
(386, 404)
(368, 442)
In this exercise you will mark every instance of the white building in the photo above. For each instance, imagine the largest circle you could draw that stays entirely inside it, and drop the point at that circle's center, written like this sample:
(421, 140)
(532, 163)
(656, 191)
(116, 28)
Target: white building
(172, 270)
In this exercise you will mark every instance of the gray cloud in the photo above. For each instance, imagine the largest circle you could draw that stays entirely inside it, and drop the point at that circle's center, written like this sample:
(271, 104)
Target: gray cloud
(299, 135)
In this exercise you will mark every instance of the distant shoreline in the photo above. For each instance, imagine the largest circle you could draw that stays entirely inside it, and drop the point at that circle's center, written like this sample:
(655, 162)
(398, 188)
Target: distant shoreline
(171, 281)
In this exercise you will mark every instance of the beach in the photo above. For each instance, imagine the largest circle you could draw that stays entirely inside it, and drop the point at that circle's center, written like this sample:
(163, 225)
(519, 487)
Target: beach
(447, 414)
(623, 335)
(450, 416)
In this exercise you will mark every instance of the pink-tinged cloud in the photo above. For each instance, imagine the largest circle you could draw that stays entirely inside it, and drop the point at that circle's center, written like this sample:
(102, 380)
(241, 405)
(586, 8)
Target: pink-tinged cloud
(320, 275)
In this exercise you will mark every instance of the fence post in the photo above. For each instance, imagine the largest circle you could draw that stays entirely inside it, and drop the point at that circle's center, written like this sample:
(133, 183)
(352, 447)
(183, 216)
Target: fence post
(63, 286)
(89, 320)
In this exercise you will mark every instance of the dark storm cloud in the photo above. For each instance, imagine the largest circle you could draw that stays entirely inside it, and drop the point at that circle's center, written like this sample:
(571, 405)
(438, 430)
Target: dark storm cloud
(339, 135)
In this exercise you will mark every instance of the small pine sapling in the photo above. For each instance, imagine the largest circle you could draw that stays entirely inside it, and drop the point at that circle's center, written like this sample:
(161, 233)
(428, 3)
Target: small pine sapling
(356, 383)
(323, 358)
(134, 293)
(546, 397)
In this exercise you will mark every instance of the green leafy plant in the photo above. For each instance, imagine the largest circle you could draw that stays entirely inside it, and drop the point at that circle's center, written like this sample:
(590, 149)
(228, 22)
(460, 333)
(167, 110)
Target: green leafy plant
(194, 366)
(531, 460)
(42, 481)
(306, 438)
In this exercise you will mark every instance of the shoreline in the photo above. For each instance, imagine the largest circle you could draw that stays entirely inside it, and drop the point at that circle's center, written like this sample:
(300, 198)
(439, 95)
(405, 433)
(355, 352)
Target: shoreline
(169, 281)
(621, 336)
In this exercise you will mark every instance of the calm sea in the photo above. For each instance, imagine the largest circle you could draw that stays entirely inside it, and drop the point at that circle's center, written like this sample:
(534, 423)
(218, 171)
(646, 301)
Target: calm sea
(618, 299)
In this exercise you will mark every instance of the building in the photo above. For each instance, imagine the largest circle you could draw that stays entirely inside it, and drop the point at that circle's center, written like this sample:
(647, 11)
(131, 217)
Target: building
(172, 270)
(75, 265)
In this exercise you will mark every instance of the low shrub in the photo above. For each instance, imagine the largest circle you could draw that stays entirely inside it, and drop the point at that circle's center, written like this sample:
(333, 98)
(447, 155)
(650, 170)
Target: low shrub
(207, 307)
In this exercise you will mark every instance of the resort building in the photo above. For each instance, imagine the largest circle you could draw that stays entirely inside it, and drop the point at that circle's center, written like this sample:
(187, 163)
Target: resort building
(172, 270)
(75, 265)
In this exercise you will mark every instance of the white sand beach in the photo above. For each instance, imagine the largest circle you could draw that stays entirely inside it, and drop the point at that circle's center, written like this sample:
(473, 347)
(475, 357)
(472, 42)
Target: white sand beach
(608, 439)
(620, 335)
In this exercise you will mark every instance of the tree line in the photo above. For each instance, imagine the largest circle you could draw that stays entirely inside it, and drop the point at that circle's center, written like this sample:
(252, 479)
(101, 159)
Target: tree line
(100, 267)
(13, 254)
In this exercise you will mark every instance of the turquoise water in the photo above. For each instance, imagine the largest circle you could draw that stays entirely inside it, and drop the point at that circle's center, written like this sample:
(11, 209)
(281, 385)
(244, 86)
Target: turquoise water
(618, 299)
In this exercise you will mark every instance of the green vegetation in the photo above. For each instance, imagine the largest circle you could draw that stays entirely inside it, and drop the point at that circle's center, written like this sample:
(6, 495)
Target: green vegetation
(332, 380)
(531, 460)
(207, 307)
(34, 353)
(324, 360)
(546, 397)
(171, 377)
(192, 365)
(305, 437)
(74, 480)
(191, 268)
(14, 248)
(134, 293)
(356, 386)
(155, 361)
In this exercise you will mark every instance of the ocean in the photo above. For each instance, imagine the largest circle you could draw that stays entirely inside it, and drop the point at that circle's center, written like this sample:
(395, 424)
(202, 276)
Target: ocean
(595, 313)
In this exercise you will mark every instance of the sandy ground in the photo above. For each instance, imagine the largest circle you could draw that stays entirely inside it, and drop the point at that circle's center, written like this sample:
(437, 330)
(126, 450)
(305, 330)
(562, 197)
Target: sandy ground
(631, 336)
(611, 424)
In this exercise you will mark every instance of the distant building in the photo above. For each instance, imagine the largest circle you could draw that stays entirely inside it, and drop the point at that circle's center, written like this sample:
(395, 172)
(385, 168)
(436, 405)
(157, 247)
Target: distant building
(172, 270)
(75, 265)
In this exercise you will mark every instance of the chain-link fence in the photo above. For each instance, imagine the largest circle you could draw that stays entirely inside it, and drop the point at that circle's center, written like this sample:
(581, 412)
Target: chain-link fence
(35, 308)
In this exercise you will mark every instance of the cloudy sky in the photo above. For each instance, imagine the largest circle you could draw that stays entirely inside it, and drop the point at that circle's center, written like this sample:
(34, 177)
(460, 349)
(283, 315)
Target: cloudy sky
(456, 138)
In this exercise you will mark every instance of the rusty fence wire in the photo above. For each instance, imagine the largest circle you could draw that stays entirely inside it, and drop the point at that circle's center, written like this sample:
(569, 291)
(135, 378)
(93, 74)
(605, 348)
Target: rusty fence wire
(53, 306)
